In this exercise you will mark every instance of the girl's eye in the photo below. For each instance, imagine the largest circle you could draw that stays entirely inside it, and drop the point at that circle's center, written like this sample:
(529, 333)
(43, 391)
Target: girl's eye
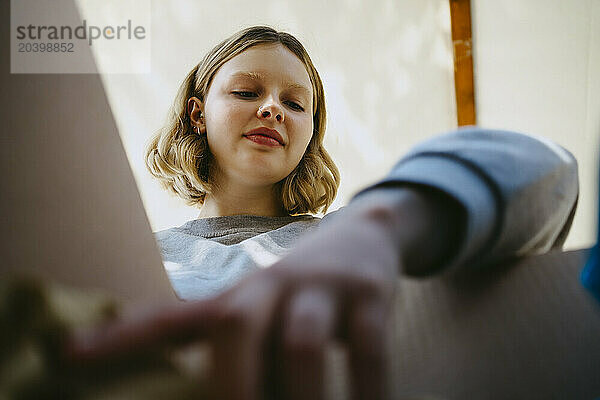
(295, 105)
(245, 94)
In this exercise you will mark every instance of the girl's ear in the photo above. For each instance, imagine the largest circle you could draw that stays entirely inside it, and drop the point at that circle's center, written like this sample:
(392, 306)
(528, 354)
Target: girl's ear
(195, 110)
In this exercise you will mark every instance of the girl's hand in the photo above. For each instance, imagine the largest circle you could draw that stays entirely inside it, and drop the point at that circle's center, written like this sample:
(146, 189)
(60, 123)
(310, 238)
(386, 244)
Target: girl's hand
(269, 333)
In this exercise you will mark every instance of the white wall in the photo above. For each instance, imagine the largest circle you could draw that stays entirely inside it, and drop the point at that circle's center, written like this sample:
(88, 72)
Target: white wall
(537, 69)
(387, 71)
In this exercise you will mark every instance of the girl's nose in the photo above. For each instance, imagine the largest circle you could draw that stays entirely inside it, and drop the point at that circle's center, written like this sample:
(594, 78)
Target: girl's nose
(271, 110)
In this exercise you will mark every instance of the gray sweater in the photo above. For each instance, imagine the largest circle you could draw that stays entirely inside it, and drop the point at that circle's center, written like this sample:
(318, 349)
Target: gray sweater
(519, 194)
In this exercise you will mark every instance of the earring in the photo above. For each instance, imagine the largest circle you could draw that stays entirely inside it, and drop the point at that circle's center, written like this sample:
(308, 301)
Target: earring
(197, 128)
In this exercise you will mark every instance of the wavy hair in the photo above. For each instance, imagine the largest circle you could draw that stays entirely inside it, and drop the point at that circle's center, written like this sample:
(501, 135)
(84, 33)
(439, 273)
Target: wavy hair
(181, 158)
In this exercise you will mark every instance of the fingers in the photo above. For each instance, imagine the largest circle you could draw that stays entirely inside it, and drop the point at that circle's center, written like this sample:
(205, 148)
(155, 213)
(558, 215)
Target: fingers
(367, 345)
(236, 368)
(238, 340)
(176, 324)
(308, 327)
(239, 323)
(235, 324)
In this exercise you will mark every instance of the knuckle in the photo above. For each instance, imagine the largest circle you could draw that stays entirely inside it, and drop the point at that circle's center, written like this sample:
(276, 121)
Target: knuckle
(306, 338)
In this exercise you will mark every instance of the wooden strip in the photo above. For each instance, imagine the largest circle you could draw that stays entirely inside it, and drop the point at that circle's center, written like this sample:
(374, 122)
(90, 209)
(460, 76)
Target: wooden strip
(460, 14)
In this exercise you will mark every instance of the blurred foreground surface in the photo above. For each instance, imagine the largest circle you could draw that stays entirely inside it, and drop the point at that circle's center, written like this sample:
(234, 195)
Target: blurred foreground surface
(526, 330)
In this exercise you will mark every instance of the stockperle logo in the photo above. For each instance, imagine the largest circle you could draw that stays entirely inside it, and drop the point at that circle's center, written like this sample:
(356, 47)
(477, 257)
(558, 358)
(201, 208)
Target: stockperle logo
(80, 36)
(83, 31)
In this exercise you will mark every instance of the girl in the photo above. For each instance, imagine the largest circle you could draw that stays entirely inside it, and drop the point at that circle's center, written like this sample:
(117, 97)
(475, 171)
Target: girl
(245, 142)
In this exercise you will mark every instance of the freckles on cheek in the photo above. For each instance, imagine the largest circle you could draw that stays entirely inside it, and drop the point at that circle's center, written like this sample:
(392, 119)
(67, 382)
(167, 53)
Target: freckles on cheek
(222, 117)
(306, 127)
(234, 114)
(237, 111)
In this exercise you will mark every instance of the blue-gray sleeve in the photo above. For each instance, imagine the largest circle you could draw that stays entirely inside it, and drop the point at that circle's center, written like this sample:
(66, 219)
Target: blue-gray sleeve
(519, 192)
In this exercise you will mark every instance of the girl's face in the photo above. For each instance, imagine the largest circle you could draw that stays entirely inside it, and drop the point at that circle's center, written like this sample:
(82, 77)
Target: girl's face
(258, 116)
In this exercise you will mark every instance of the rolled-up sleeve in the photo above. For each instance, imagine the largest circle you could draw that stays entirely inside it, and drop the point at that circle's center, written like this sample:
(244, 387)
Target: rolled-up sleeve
(519, 191)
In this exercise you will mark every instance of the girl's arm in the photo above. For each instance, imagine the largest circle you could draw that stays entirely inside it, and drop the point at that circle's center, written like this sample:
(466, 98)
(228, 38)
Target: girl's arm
(517, 195)
(458, 201)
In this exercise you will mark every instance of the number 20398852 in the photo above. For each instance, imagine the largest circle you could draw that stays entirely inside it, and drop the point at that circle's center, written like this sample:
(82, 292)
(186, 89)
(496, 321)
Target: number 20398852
(45, 47)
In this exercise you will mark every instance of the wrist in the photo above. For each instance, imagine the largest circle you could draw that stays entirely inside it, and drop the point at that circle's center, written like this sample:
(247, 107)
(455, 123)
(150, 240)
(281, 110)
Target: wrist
(424, 225)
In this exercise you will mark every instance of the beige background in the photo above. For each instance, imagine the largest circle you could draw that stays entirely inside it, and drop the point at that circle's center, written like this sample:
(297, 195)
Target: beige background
(387, 71)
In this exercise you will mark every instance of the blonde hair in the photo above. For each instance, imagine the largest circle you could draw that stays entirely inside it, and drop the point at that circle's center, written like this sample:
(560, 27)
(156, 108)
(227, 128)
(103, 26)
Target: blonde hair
(180, 158)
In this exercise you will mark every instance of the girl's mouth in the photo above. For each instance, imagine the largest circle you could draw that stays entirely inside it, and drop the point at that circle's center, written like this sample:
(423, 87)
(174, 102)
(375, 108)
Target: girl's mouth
(264, 135)
(263, 140)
